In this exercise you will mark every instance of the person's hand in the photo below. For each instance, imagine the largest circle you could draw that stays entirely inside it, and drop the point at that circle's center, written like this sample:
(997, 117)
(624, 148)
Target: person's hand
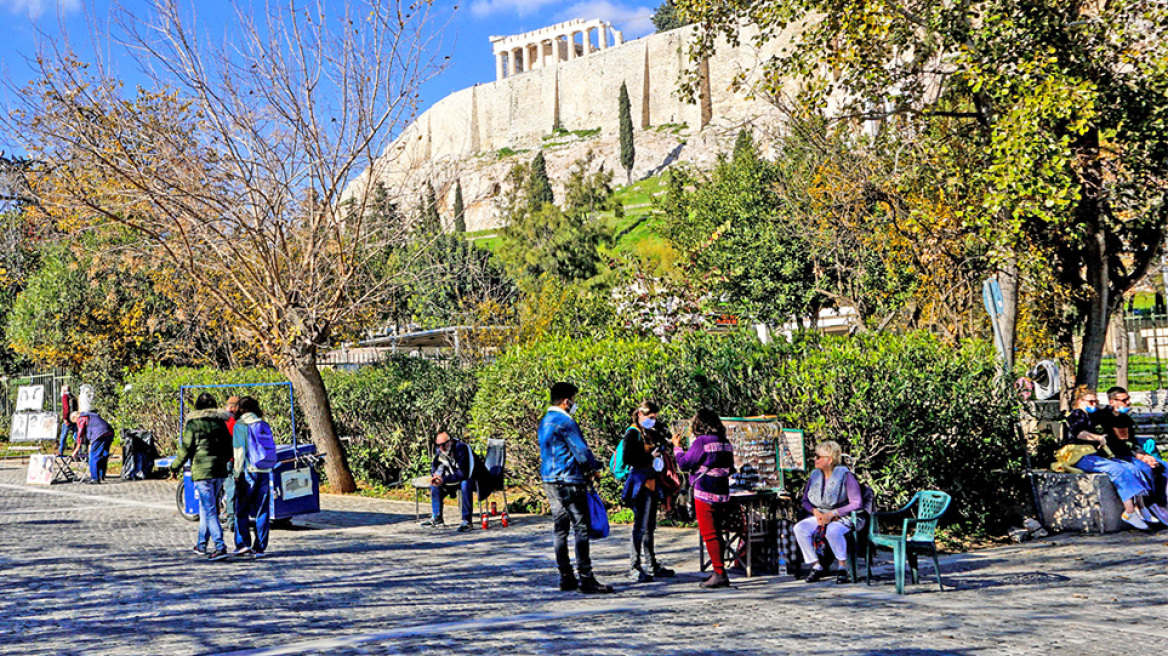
(676, 440)
(1148, 460)
(437, 480)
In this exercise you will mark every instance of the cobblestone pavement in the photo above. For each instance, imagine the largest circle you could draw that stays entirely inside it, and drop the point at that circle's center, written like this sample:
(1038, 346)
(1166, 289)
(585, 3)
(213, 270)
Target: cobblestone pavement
(108, 570)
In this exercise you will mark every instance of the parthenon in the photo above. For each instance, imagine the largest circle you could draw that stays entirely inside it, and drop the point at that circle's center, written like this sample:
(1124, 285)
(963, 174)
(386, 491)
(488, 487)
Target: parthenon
(549, 46)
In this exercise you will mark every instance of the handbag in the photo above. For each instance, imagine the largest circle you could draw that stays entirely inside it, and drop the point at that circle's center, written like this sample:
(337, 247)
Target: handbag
(597, 516)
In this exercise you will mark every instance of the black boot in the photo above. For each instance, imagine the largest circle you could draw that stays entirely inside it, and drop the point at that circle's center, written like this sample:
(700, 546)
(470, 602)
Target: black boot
(568, 583)
(589, 585)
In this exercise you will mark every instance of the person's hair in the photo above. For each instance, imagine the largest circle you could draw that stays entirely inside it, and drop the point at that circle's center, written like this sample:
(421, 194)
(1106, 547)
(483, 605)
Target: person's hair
(707, 422)
(1083, 391)
(832, 450)
(231, 401)
(1112, 391)
(205, 402)
(647, 407)
(561, 391)
(249, 404)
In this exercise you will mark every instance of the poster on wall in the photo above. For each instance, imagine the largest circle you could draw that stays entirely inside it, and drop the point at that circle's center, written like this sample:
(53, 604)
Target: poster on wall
(30, 397)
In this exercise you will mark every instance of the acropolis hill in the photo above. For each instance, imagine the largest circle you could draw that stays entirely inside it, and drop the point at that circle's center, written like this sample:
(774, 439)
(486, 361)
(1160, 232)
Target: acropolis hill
(555, 88)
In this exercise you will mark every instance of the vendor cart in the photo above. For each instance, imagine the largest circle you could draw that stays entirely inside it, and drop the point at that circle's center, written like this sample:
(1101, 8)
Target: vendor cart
(294, 481)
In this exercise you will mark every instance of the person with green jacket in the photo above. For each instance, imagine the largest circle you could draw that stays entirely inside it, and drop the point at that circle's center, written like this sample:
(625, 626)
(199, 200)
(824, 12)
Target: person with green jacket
(207, 445)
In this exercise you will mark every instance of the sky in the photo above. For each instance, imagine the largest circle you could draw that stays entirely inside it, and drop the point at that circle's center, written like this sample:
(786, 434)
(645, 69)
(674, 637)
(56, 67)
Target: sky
(465, 38)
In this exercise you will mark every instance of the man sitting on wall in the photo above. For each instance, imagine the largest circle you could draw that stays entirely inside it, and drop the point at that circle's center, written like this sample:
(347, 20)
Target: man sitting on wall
(454, 468)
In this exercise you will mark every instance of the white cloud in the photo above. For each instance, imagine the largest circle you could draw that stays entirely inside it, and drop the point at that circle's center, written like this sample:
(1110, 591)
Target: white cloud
(521, 7)
(34, 8)
(633, 21)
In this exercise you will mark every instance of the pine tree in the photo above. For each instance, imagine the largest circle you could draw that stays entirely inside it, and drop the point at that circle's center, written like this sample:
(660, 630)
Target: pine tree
(539, 187)
(628, 151)
(459, 216)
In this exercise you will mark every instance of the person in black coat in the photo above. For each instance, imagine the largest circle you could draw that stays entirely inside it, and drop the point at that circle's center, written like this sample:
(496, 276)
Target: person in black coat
(454, 468)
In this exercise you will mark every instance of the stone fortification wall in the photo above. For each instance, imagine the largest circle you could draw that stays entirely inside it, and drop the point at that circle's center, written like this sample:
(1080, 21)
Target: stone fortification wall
(461, 135)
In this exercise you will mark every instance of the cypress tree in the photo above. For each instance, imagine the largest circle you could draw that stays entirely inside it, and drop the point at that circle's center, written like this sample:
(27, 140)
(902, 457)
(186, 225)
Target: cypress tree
(459, 217)
(539, 188)
(628, 152)
(744, 144)
(431, 221)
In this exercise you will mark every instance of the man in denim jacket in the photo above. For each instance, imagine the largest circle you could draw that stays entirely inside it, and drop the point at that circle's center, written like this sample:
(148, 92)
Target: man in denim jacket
(565, 464)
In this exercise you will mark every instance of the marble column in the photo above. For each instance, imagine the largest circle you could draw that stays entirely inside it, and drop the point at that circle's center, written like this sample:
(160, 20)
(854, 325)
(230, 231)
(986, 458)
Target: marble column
(603, 33)
(530, 52)
(500, 73)
(572, 45)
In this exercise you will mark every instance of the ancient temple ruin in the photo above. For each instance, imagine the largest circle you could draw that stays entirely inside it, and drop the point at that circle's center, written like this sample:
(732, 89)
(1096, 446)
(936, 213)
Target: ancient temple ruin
(549, 46)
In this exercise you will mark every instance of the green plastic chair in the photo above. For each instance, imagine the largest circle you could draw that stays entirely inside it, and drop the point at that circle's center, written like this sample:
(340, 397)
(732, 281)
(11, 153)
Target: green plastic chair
(923, 510)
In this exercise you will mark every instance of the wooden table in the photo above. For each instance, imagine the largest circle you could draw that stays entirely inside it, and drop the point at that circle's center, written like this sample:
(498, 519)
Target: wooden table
(750, 529)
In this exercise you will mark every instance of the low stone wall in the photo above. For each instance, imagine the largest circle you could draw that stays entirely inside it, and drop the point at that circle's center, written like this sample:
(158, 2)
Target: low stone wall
(1078, 502)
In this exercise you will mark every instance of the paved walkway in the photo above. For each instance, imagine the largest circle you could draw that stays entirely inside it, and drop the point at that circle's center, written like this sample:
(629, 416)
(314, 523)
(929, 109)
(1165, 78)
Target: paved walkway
(108, 570)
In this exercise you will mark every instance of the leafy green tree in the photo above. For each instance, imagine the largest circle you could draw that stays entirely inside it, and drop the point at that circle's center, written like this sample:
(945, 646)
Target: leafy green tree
(539, 187)
(459, 210)
(667, 17)
(628, 150)
(1066, 102)
(456, 282)
(730, 226)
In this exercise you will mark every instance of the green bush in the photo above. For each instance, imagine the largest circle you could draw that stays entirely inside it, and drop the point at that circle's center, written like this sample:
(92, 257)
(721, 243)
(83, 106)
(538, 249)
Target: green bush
(387, 414)
(915, 413)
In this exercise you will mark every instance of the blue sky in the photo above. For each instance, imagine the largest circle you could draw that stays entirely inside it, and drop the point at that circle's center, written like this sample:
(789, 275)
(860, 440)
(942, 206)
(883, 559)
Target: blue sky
(465, 39)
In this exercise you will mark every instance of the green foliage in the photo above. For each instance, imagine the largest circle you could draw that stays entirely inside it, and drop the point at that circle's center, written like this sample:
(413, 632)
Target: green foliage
(914, 412)
(430, 222)
(539, 187)
(668, 16)
(389, 412)
(628, 150)
(729, 224)
(459, 210)
(449, 281)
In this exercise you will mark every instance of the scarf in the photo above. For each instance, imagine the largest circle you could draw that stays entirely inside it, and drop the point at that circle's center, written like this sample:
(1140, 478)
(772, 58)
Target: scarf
(827, 497)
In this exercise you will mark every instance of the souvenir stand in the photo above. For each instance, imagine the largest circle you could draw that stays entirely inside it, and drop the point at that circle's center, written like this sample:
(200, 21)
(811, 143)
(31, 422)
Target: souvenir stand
(758, 533)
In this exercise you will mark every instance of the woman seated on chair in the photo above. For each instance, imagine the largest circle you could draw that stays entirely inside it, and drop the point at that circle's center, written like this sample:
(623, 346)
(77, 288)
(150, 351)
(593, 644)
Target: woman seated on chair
(1132, 480)
(831, 495)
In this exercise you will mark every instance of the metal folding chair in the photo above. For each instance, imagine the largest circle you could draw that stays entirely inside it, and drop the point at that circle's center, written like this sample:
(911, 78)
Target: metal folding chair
(495, 481)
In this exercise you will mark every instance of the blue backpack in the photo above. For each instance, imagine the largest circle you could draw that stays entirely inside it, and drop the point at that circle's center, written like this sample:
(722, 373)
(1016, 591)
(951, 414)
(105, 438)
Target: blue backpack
(597, 516)
(261, 447)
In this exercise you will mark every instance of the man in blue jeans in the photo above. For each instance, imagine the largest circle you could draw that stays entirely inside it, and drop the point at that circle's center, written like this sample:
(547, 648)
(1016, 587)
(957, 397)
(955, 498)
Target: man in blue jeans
(100, 435)
(253, 494)
(565, 462)
(207, 445)
(454, 469)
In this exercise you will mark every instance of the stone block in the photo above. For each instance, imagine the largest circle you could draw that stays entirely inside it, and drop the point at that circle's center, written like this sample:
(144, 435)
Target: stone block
(1078, 502)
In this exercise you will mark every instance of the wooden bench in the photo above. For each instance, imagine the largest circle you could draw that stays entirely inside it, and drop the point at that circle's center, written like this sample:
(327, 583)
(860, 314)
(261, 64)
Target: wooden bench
(1152, 425)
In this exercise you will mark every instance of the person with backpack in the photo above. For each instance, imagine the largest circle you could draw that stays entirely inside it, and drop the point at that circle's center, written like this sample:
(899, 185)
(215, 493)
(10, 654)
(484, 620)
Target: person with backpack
(96, 432)
(639, 460)
(565, 465)
(255, 455)
(831, 495)
(207, 445)
(710, 459)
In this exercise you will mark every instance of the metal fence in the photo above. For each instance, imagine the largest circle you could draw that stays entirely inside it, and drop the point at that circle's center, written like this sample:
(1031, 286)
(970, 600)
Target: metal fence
(1147, 341)
(52, 379)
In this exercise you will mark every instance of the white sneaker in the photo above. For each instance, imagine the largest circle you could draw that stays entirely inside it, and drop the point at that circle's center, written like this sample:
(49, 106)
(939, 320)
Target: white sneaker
(1135, 520)
(1148, 516)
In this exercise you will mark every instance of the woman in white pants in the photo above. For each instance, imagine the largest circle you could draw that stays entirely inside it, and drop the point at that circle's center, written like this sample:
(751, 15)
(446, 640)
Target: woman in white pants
(831, 494)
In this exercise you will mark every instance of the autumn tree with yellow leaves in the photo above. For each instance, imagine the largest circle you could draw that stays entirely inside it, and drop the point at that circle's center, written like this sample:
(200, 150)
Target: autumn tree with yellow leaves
(234, 162)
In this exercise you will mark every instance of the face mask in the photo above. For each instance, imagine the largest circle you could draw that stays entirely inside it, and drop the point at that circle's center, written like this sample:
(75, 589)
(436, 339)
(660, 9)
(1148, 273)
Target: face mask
(1124, 410)
(648, 423)
(1089, 409)
(572, 407)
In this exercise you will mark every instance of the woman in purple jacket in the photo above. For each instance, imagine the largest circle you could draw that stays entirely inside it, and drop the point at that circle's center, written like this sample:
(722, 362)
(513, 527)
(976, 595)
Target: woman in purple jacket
(831, 494)
(710, 459)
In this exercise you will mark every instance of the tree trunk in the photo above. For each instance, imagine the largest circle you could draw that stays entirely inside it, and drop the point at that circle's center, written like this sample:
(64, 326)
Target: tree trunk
(317, 412)
(1008, 282)
(1098, 268)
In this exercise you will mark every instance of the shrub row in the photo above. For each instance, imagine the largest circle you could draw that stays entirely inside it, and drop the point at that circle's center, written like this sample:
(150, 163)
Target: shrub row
(914, 413)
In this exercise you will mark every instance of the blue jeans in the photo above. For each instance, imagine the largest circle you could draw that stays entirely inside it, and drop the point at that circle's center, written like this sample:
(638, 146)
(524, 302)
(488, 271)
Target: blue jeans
(1157, 478)
(569, 506)
(644, 524)
(210, 530)
(1128, 480)
(438, 492)
(253, 497)
(99, 451)
(229, 500)
(67, 429)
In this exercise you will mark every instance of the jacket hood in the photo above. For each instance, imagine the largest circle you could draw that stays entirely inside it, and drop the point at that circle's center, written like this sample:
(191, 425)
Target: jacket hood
(250, 418)
(209, 413)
